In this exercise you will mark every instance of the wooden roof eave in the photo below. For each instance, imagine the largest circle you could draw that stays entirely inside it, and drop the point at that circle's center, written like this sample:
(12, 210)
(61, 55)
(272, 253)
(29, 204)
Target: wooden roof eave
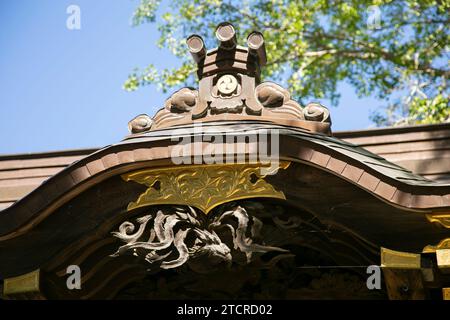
(388, 182)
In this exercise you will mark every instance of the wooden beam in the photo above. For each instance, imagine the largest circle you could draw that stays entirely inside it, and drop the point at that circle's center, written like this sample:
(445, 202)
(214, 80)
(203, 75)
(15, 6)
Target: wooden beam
(402, 275)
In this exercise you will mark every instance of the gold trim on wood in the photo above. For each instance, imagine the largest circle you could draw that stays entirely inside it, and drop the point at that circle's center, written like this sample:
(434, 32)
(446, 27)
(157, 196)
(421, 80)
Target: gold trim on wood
(202, 186)
(26, 285)
(403, 275)
(443, 259)
(446, 293)
(441, 218)
(399, 260)
(444, 244)
(444, 220)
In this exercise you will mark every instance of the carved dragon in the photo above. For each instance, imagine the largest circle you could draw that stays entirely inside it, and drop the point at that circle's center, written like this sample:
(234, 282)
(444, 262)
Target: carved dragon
(171, 239)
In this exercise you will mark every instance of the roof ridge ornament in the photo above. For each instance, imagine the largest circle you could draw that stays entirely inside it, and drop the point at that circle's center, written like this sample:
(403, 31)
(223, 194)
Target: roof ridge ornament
(230, 88)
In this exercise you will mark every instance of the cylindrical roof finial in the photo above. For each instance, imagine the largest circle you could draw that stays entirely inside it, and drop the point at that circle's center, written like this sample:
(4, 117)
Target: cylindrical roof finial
(226, 34)
(196, 47)
(256, 47)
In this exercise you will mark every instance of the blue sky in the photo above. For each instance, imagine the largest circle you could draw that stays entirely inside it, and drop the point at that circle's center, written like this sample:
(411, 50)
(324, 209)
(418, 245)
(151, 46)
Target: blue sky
(62, 89)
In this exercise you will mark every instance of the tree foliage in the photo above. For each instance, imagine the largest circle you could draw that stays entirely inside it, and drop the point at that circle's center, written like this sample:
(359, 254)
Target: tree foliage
(396, 51)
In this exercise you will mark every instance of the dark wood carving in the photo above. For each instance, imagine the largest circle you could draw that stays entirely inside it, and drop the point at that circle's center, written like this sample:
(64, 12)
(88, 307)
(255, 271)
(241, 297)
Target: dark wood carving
(317, 112)
(141, 123)
(342, 229)
(210, 264)
(183, 235)
(230, 89)
(182, 101)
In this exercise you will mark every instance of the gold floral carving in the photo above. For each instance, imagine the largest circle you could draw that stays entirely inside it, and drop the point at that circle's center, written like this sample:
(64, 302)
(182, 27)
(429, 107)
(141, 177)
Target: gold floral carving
(202, 186)
(441, 218)
(444, 220)
(444, 244)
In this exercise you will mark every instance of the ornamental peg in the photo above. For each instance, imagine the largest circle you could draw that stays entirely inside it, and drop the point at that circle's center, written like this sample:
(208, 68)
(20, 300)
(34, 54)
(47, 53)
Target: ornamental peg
(226, 34)
(196, 47)
(255, 42)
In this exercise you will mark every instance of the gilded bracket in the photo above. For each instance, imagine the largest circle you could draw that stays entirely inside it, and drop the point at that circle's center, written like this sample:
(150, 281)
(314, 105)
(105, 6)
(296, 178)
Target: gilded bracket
(26, 286)
(403, 275)
(444, 244)
(441, 218)
(444, 220)
(446, 293)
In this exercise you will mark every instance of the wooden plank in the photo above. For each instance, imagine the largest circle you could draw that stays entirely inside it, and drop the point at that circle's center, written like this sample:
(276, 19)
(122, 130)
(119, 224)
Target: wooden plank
(409, 146)
(38, 163)
(404, 284)
(402, 275)
(392, 130)
(396, 138)
(48, 154)
(418, 155)
(21, 182)
(4, 205)
(29, 173)
(434, 166)
(14, 193)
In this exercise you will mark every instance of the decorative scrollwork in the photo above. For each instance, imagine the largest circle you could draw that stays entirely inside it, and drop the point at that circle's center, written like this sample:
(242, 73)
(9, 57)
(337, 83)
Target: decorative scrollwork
(182, 101)
(182, 236)
(440, 218)
(230, 89)
(202, 186)
(271, 95)
(277, 102)
(141, 123)
(443, 220)
(317, 112)
(444, 244)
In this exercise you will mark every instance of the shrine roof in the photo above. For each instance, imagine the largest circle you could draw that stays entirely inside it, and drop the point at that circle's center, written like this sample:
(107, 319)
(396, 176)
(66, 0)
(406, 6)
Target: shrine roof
(423, 150)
